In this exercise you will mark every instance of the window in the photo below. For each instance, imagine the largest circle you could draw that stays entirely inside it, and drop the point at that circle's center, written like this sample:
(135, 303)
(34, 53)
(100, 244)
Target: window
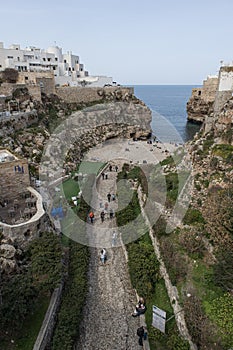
(64, 61)
(49, 59)
(199, 93)
(69, 69)
(56, 59)
(26, 78)
(9, 56)
(44, 58)
(54, 68)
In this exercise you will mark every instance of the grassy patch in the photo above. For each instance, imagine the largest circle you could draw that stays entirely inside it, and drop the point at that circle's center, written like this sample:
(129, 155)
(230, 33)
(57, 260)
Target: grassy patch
(70, 188)
(87, 167)
(224, 151)
(167, 161)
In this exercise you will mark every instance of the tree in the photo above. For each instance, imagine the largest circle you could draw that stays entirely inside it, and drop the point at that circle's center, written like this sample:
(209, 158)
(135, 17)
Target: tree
(9, 75)
(46, 260)
(222, 269)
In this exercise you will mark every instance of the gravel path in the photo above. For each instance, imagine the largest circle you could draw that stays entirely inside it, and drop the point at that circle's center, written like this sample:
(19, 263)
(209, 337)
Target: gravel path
(107, 323)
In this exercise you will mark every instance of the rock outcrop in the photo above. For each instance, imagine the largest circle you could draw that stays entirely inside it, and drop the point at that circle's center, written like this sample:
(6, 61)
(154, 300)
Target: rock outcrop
(198, 109)
(200, 104)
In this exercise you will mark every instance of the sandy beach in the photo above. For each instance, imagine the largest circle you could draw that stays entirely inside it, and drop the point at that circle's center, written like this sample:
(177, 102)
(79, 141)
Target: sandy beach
(136, 152)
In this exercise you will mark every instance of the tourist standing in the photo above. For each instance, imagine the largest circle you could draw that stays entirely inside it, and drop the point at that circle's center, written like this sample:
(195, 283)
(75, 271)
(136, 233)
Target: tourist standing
(102, 214)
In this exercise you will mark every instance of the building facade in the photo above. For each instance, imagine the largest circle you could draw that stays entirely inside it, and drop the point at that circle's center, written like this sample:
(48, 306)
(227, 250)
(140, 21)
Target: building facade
(66, 68)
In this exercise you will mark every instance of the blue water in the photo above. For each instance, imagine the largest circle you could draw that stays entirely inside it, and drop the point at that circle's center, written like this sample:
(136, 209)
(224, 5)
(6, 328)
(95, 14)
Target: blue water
(168, 105)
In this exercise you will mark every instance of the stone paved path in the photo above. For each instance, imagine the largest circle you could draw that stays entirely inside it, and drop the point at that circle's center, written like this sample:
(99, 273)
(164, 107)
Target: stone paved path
(107, 322)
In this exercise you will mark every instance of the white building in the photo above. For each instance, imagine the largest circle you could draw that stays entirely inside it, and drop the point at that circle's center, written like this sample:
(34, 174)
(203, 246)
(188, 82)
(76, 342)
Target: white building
(66, 68)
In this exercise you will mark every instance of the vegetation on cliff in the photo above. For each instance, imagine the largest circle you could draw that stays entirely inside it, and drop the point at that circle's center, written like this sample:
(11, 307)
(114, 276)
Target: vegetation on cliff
(23, 292)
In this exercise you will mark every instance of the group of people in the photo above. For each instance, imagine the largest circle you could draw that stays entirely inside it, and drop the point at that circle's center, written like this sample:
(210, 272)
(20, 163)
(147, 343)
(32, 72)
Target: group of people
(111, 197)
(111, 168)
(104, 213)
(140, 309)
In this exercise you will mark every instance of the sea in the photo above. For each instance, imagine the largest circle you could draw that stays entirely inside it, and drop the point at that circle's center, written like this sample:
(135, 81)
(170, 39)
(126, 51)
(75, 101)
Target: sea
(168, 106)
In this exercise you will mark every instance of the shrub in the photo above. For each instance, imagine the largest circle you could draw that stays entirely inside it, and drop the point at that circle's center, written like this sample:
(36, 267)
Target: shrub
(193, 216)
(9, 75)
(143, 266)
(69, 318)
(202, 331)
(174, 261)
(192, 242)
(221, 311)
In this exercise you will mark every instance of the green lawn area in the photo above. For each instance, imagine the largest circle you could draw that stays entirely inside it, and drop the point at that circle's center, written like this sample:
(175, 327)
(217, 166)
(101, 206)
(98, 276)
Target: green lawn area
(70, 188)
(87, 167)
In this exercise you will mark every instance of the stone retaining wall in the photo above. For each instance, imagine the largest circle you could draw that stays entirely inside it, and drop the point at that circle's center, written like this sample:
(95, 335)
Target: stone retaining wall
(87, 95)
(34, 90)
(47, 328)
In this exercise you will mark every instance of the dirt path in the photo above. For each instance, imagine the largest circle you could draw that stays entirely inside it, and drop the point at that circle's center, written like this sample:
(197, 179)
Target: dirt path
(107, 322)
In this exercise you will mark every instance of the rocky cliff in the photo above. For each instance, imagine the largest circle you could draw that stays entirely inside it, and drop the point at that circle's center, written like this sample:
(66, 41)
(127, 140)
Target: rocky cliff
(200, 104)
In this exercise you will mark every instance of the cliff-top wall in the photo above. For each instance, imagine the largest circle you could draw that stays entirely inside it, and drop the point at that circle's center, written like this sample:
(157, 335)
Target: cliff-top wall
(90, 94)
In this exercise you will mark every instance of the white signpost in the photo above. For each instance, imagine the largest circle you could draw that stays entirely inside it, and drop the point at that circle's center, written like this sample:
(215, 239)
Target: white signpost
(159, 319)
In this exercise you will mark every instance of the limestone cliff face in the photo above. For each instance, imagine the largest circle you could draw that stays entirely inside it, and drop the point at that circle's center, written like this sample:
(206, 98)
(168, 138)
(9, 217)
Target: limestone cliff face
(222, 126)
(92, 126)
(200, 104)
(198, 109)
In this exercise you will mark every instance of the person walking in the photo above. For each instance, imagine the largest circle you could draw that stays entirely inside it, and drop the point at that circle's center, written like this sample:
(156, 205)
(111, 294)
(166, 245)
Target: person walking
(103, 256)
(140, 333)
(109, 197)
(102, 214)
(111, 213)
(116, 168)
(103, 175)
(91, 216)
(110, 167)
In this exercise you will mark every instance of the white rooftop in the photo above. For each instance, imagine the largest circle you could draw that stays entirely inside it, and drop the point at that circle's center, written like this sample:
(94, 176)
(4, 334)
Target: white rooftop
(6, 156)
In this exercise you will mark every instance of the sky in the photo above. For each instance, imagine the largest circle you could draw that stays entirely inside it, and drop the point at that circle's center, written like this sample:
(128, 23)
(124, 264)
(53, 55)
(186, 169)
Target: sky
(135, 42)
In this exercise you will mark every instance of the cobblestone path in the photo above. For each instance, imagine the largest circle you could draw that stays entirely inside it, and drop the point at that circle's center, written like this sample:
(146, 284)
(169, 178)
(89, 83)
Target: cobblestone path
(107, 323)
